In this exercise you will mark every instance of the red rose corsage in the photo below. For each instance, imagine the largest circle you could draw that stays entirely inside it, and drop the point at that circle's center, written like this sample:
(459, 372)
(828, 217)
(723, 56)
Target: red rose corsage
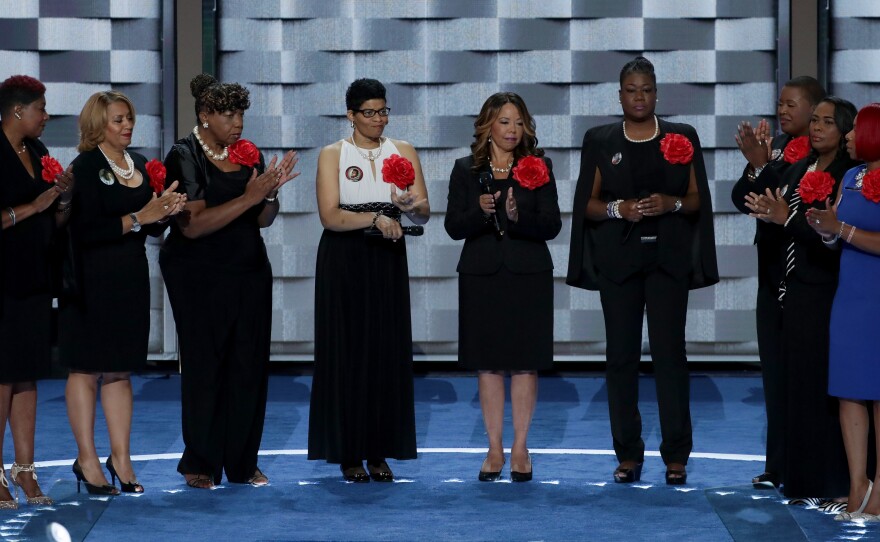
(871, 186)
(51, 168)
(398, 171)
(156, 171)
(677, 149)
(244, 152)
(531, 172)
(797, 149)
(815, 186)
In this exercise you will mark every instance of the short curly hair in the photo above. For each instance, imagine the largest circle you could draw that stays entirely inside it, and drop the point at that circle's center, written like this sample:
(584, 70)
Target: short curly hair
(212, 96)
(19, 89)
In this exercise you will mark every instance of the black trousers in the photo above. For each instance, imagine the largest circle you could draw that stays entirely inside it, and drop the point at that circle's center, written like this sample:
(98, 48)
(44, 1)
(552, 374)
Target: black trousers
(768, 316)
(623, 305)
(224, 323)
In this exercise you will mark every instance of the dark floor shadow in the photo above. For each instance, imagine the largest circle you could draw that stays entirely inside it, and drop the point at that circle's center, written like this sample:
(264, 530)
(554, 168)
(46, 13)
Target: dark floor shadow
(751, 514)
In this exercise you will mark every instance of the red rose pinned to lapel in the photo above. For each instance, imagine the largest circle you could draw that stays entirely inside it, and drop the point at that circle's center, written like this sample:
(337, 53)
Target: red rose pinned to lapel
(797, 149)
(871, 186)
(156, 171)
(244, 153)
(531, 172)
(677, 149)
(815, 186)
(398, 171)
(51, 168)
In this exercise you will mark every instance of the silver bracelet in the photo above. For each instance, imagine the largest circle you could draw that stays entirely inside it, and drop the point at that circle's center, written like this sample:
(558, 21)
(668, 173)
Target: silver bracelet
(11, 212)
(831, 241)
(267, 199)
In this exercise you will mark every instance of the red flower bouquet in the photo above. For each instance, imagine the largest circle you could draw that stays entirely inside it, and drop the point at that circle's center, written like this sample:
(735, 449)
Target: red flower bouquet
(51, 168)
(244, 152)
(677, 149)
(815, 186)
(156, 171)
(797, 149)
(871, 186)
(531, 172)
(398, 171)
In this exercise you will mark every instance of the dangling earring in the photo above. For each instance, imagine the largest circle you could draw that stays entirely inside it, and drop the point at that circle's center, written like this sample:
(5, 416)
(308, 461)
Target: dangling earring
(17, 115)
(619, 101)
(205, 125)
(352, 124)
(657, 100)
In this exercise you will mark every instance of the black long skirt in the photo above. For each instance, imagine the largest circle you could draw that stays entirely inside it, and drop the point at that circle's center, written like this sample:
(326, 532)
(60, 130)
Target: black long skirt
(505, 321)
(362, 390)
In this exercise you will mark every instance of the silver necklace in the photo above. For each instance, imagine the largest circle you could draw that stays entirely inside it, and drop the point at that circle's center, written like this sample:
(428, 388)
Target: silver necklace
(369, 152)
(125, 174)
(501, 169)
(656, 133)
(208, 152)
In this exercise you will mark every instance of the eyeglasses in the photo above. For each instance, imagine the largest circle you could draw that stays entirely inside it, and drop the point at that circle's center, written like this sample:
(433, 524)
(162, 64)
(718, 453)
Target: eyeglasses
(372, 112)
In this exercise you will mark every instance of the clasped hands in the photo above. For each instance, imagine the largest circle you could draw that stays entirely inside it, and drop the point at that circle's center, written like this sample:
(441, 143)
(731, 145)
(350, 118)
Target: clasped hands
(487, 204)
(634, 210)
(408, 202)
(768, 207)
(755, 143)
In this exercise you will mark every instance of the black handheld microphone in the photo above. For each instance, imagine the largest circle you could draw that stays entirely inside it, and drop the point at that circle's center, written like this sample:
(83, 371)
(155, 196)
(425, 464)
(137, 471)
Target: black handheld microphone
(486, 187)
(629, 227)
(412, 231)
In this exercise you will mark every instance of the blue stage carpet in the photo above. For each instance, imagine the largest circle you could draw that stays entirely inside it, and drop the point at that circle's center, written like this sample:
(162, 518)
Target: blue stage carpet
(436, 497)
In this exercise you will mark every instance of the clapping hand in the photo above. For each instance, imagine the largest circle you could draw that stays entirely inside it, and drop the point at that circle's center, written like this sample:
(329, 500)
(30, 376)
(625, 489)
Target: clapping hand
(510, 206)
(160, 207)
(824, 221)
(755, 144)
(768, 207)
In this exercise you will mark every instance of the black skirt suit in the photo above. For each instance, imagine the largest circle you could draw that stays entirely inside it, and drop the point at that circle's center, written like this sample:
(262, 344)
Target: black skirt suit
(104, 321)
(646, 265)
(505, 285)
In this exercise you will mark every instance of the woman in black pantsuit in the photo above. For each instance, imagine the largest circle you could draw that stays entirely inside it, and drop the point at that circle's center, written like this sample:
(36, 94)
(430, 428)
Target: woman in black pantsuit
(105, 324)
(31, 209)
(219, 281)
(642, 235)
(505, 280)
(767, 163)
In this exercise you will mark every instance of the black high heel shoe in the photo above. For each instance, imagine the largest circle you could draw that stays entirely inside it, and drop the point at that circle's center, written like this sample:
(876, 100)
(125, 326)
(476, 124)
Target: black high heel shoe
(380, 471)
(676, 476)
(92, 489)
(490, 475)
(628, 475)
(127, 487)
(517, 476)
(354, 472)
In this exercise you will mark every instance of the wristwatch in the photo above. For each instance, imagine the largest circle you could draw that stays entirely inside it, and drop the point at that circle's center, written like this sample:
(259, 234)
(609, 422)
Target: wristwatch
(677, 206)
(135, 225)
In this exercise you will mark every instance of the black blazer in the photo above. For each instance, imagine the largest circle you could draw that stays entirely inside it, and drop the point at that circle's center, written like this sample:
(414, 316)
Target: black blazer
(523, 248)
(814, 262)
(686, 243)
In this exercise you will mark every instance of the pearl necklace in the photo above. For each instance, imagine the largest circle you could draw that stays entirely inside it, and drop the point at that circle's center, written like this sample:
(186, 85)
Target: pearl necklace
(369, 152)
(23, 149)
(208, 152)
(656, 133)
(122, 173)
(501, 169)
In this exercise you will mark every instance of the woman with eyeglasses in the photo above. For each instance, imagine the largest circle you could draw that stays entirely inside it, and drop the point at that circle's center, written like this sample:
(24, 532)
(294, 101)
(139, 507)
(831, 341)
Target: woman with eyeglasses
(362, 390)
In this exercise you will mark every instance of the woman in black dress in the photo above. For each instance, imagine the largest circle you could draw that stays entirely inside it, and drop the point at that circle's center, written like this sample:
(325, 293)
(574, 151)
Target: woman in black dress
(31, 209)
(642, 235)
(505, 284)
(362, 391)
(814, 466)
(104, 324)
(219, 281)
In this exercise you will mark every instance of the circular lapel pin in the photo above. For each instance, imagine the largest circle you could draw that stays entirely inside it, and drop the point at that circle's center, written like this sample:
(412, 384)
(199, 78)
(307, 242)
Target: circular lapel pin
(106, 177)
(616, 158)
(354, 174)
(776, 154)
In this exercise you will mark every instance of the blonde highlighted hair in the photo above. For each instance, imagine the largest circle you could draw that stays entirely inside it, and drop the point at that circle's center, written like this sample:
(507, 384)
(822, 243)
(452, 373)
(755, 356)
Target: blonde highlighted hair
(489, 113)
(93, 117)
